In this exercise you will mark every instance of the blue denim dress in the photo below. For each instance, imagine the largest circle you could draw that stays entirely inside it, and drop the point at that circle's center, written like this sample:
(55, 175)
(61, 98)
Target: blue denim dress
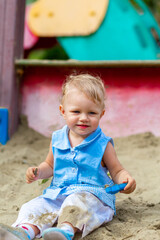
(79, 169)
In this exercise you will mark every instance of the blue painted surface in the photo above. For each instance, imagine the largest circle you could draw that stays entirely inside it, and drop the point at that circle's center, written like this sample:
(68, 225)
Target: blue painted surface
(125, 34)
(116, 188)
(4, 126)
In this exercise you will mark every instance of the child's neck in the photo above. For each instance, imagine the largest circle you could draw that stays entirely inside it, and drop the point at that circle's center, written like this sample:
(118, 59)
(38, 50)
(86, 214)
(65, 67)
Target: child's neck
(74, 139)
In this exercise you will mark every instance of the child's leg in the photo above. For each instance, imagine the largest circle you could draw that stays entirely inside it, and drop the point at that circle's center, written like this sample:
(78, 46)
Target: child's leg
(81, 211)
(85, 212)
(30, 229)
(65, 231)
(37, 215)
(8, 232)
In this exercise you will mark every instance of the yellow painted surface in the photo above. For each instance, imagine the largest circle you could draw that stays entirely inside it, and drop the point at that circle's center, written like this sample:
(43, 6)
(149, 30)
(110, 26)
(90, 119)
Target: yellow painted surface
(66, 17)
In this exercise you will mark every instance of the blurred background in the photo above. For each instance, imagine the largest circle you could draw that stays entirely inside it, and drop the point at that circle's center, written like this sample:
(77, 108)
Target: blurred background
(154, 6)
(119, 40)
(118, 30)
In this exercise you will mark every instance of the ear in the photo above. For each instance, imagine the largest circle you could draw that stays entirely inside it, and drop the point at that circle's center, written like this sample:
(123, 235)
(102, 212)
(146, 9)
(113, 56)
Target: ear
(102, 113)
(62, 111)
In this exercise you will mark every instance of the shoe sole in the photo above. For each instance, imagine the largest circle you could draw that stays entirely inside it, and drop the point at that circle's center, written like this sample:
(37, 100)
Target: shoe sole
(5, 235)
(54, 236)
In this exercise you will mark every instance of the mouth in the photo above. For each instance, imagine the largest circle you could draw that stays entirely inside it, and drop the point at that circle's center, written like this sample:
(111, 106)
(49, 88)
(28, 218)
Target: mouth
(82, 126)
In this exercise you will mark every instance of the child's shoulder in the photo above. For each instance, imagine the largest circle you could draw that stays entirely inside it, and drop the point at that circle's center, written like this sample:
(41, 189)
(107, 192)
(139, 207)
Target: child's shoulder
(60, 138)
(106, 138)
(59, 132)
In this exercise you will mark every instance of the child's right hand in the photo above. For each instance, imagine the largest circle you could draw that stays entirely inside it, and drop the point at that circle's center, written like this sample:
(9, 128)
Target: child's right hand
(32, 174)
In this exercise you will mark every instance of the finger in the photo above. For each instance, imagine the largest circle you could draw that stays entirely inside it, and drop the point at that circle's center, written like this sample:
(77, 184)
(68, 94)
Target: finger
(129, 190)
(27, 181)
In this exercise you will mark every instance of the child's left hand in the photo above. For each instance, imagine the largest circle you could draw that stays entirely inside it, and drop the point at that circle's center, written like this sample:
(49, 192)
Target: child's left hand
(131, 185)
(118, 172)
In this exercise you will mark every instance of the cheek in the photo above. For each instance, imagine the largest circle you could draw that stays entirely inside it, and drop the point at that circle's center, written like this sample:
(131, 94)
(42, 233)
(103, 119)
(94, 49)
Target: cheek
(95, 121)
(71, 119)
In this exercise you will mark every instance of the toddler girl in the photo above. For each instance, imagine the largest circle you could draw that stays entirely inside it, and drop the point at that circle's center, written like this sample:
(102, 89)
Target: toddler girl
(79, 158)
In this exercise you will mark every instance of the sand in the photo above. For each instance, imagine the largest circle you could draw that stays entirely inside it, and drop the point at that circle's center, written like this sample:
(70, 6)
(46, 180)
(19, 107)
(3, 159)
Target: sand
(137, 214)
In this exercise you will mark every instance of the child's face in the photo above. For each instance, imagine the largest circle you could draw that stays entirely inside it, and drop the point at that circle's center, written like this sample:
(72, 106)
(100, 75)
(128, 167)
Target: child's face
(81, 114)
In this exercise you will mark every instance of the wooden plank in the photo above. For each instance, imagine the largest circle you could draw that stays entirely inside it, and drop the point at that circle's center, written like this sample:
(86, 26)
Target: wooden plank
(11, 47)
(2, 17)
(92, 64)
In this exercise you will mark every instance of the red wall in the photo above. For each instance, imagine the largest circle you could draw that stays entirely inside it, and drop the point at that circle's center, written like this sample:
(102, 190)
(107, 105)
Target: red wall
(132, 105)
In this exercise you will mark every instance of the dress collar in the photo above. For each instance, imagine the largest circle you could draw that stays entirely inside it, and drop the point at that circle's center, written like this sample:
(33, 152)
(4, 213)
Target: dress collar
(62, 140)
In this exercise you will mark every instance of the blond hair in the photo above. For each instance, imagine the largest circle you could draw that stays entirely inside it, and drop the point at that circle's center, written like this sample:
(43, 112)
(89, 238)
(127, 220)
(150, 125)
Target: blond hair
(91, 86)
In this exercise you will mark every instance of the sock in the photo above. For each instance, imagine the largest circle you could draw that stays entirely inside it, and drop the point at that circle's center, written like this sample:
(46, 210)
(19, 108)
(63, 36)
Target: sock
(28, 229)
(66, 227)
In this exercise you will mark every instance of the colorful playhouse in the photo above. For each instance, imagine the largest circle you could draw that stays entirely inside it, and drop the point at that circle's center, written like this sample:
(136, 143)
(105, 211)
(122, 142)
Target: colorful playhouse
(117, 40)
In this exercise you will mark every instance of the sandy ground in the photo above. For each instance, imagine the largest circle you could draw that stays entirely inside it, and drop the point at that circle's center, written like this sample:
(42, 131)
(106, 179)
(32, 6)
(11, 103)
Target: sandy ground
(137, 214)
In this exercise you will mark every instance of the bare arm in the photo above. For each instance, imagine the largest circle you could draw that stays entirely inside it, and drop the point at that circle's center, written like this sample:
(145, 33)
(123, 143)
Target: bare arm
(118, 173)
(44, 170)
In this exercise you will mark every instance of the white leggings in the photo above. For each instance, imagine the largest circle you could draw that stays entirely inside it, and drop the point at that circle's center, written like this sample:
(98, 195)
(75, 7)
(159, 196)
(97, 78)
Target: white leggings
(83, 210)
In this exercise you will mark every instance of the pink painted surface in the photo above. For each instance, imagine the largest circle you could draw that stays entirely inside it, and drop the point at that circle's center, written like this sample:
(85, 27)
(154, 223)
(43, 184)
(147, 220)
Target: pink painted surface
(132, 104)
(29, 38)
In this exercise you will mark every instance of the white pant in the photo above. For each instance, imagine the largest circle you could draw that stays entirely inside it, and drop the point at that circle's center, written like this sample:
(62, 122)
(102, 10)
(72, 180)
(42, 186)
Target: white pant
(83, 210)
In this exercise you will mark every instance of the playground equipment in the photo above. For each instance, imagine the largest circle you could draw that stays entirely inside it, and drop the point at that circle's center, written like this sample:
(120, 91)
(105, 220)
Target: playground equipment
(4, 126)
(11, 48)
(127, 33)
(133, 87)
(30, 39)
(111, 30)
(48, 18)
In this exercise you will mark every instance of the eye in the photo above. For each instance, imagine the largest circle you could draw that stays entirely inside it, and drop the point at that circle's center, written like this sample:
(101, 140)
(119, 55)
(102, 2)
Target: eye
(76, 111)
(92, 113)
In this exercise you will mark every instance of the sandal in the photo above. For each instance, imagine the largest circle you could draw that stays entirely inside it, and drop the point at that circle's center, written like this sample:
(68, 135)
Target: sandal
(12, 233)
(56, 234)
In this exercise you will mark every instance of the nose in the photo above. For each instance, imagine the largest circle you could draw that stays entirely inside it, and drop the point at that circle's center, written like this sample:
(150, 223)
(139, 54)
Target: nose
(83, 117)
